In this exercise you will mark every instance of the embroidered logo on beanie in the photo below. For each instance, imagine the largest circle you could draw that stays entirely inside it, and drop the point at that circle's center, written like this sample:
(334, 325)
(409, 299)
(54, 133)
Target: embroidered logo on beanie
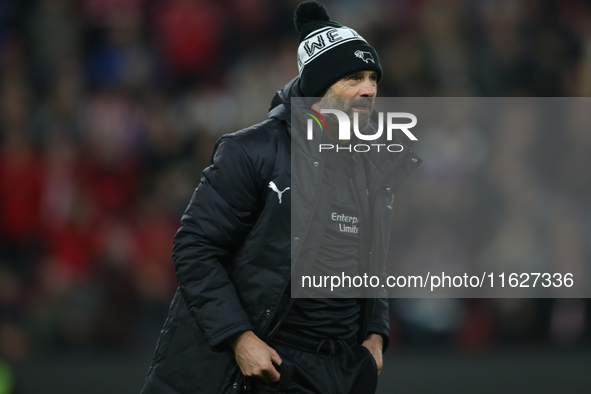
(365, 56)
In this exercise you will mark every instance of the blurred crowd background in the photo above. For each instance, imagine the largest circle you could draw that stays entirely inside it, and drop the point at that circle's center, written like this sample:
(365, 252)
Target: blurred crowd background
(109, 110)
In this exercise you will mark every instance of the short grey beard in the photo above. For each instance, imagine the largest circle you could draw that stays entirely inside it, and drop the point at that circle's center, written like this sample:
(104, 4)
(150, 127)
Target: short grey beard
(334, 102)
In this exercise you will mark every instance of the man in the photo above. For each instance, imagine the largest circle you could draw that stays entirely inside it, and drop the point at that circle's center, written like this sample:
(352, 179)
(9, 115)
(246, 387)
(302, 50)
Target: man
(233, 326)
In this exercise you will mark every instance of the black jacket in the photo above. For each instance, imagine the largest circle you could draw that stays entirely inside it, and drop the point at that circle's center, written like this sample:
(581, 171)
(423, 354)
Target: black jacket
(232, 254)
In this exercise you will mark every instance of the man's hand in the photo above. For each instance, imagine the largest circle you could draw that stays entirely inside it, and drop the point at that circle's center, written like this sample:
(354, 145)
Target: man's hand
(375, 343)
(255, 358)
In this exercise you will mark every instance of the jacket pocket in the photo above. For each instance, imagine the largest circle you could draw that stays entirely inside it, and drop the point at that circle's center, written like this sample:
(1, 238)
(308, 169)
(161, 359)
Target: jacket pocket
(234, 384)
(372, 360)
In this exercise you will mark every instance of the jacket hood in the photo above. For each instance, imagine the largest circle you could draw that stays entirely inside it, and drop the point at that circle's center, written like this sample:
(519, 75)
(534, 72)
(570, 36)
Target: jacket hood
(281, 103)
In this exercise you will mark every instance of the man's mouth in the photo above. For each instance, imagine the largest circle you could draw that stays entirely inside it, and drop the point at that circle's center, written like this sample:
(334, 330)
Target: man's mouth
(359, 108)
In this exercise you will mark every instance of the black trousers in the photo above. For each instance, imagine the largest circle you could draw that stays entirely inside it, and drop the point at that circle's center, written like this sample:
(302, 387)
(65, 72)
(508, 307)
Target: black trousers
(325, 367)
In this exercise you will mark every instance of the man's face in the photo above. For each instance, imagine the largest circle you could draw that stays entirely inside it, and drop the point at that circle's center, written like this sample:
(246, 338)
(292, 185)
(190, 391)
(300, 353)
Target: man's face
(353, 93)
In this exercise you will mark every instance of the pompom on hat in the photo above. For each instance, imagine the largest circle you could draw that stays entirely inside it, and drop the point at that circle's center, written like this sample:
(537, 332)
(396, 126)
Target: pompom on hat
(328, 50)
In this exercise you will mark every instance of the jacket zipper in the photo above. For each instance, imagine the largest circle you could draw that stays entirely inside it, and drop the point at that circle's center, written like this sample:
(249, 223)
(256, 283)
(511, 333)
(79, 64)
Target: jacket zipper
(302, 238)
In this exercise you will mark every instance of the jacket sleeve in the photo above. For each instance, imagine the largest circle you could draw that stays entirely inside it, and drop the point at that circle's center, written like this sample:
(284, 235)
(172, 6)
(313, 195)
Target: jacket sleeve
(220, 214)
(380, 321)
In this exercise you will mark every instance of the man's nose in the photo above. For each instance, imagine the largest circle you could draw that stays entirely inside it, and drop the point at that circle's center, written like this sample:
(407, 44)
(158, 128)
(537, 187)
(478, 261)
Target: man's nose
(368, 88)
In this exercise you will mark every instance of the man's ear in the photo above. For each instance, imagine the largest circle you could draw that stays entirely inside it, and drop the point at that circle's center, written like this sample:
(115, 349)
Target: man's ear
(315, 102)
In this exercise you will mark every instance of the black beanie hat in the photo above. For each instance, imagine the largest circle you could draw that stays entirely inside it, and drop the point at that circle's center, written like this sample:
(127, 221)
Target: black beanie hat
(328, 50)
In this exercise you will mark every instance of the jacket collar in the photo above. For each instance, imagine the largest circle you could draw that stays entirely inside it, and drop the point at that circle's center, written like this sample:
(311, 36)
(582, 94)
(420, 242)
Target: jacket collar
(281, 103)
